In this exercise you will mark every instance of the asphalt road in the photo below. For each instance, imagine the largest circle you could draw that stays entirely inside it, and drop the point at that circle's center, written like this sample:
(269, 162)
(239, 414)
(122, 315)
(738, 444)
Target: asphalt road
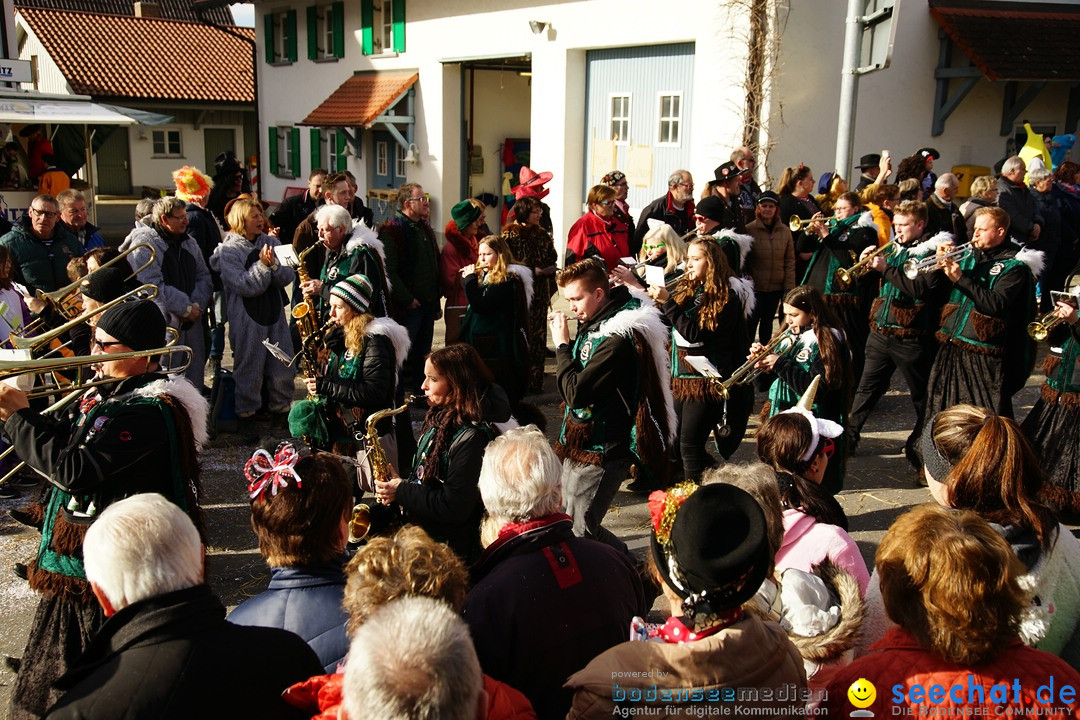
(880, 485)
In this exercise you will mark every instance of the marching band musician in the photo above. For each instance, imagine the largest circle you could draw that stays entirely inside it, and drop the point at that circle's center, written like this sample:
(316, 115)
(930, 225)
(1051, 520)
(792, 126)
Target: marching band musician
(351, 249)
(362, 373)
(710, 217)
(140, 434)
(707, 313)
(840, 248)
(903, 319)
(253, 281)
(819, 350)
(1053, 425)
(499, 292)
(986, 354)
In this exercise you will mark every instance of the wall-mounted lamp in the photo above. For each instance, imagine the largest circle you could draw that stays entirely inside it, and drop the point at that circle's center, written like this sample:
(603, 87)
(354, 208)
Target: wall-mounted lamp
(142, 135)
(538, 26)
(347, 151)
(410, 155)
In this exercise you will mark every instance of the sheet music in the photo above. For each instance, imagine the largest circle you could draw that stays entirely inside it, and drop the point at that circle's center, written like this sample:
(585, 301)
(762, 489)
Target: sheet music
(286, 255)
(701, 365)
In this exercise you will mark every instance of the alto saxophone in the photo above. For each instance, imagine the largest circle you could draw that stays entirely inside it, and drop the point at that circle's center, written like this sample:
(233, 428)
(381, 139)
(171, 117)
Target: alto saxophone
(307, 322)
(360, 523)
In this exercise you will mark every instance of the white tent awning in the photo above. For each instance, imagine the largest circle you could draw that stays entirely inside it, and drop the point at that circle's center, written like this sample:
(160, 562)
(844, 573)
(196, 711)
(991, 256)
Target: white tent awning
(73, 112)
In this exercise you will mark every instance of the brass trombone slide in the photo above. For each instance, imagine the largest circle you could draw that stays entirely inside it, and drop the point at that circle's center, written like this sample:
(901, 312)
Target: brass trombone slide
(14, 368)
(35, 342)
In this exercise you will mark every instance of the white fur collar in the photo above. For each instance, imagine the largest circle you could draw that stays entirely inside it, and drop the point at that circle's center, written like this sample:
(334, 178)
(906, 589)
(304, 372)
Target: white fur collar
(808, 337)
(187, 395)
(398, 336)
(866, 219)
(744, 288)
(525, 275)
(744, 242)
(926, 247)
(646, 320)
(363, 235)
(1034, 259)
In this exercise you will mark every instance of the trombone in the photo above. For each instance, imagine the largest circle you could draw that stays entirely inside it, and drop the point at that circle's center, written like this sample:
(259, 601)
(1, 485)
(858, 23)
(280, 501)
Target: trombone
(914, 266)
(64, 301)
(796, 223)
(746, 373)
(35, 342)
(847, 275)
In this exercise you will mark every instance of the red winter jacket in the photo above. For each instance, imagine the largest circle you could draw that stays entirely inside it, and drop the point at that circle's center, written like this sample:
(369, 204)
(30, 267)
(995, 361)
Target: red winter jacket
(320, 696)
(593, 236)
(458, 252)
(897, 664)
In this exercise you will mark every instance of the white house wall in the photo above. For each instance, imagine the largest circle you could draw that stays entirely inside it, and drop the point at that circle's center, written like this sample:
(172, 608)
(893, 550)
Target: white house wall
(49, 77)
(895, 105)
(157, 171)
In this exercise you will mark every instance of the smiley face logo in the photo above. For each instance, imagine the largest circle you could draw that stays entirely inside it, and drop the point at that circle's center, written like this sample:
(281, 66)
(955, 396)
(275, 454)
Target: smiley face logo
(862, 693)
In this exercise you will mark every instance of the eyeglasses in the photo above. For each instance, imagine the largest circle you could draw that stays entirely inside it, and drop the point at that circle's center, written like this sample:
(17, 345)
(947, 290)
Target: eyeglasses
(178, 218)
(419, 200)
(44, 213)
(103, 344)
(688, 186)
(606, 202)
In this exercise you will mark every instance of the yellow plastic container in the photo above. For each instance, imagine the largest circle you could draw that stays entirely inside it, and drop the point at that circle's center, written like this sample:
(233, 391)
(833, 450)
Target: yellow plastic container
(966, 174)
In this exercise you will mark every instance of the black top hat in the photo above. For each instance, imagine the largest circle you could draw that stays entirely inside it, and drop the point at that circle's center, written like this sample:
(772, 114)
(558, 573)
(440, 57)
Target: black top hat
(729, 171)
(869, 161)
(717, 547)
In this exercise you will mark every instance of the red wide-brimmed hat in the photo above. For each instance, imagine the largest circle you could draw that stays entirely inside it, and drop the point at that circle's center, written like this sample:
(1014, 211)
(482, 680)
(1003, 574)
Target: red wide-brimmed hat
(531, 184)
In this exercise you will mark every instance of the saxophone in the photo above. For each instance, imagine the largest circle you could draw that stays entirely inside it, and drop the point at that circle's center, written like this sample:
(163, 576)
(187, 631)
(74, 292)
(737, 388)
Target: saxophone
(360, 523)
(307, 323)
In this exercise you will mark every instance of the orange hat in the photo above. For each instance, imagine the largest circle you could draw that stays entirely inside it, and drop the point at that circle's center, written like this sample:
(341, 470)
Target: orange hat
(191, 183)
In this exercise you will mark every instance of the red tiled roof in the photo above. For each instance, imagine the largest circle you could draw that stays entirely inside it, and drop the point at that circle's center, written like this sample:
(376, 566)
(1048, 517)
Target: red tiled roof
(116, 56)
(189, 10)
(361, 99)
(1015, 40)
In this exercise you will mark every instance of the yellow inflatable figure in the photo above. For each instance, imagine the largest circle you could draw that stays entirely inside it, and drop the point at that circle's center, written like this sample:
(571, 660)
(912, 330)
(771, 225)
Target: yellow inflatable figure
(1034, 148)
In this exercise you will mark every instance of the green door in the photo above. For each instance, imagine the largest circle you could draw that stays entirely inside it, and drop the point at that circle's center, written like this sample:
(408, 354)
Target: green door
(114, 164)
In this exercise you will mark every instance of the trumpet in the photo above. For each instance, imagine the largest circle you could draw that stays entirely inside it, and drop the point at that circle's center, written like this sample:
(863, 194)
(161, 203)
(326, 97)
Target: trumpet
(746, 373)
(1040, 329)
(847, 275)
(65, 301)
(914, 266)
(796, 223)
(36, 342)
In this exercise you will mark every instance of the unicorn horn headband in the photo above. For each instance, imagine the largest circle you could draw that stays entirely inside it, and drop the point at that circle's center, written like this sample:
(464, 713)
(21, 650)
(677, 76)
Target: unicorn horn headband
(819, 427)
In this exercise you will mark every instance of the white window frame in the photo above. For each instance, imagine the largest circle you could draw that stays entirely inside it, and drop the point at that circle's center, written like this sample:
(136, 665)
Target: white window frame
(325, 15)
(329, 140)
(281, 43)
(399, 160)
(382, 158)
(676, 119)
(382, 27)
(622, 119)
(166, 136)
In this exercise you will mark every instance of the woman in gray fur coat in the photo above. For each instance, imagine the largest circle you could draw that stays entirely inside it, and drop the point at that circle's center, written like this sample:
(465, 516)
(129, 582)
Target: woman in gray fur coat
(253, 282)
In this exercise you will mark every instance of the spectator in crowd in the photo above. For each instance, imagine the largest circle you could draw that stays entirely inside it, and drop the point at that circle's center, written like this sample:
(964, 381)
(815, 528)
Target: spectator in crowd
(942, 213)
(984, 193)
(73, 215)
(956, 593)
(1014, 197)
(709, 550)
(749, 191)
(1066, 194)
(870, 165)
(976, 460)
(165, 649)
(597, 233)
(230, 181)
(676, 208)
(909, 189)
(180, 274)
(415, 659)
(565, 612)
(41, 248)
(294, 209)
(617, 180)
(38, 146)
(406, 564)
(771, 263)
(796, 199)
(12, 168)
(726, 187)
(1042, 183)
(459, 251)
(54, 180)
(300, 509)
(534, 248)
(412, 268)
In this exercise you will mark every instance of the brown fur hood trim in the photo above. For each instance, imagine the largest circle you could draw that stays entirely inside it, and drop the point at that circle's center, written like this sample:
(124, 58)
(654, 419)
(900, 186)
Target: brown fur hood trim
(1051, 363)
(842, 637)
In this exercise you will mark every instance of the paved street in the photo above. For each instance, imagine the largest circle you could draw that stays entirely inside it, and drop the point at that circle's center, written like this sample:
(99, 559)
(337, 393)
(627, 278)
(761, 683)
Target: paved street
(879, 486)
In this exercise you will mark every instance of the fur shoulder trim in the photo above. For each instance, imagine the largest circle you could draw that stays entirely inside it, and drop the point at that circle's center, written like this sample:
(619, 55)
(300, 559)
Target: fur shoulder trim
(198, 409)
(526, 276)
(837, 640)
(744, 242)
(744, 288)
(928, 247)
(866, 219)
(646, 321)
(398, 336)
(808, 337)
(1034, 259)
(363, 235)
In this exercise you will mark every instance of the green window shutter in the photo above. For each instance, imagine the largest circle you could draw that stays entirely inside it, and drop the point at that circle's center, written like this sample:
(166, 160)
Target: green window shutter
(399, 25)
(294, 150)
(367, 27)
(340, 150)
(316, 148)
(268, 37)
(290, 30)
(312, 33)
(339, 29)
(273, 146)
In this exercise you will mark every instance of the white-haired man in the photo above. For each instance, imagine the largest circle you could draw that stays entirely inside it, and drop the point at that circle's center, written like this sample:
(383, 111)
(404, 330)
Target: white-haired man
(942, 215)
(1025, 221)
(586, 592)
(413, 658)
(166, 650)
(676, 207)
(350, 249)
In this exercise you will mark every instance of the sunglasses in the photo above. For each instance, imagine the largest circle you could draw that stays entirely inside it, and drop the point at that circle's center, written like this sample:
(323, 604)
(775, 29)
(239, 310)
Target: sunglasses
(657, 246)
